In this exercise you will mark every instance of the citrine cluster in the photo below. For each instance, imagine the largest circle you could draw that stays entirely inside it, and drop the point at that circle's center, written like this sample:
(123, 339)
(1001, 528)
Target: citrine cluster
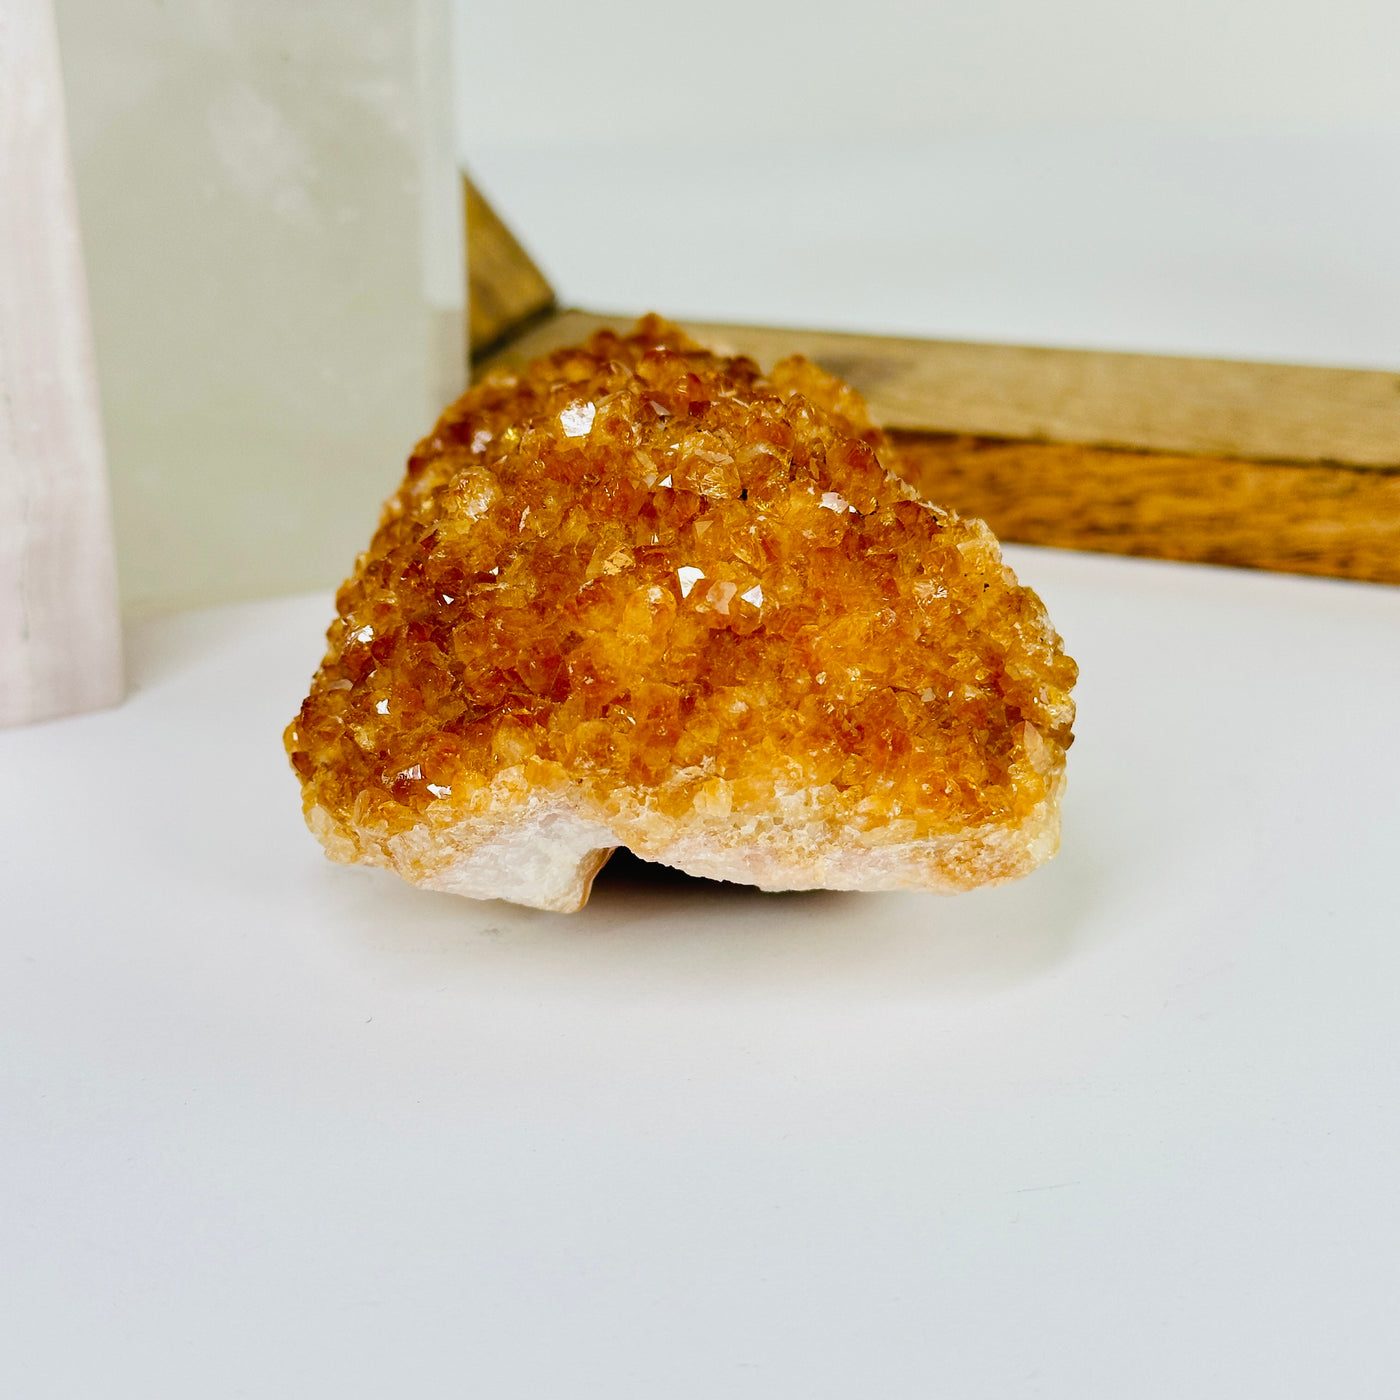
(642, 568)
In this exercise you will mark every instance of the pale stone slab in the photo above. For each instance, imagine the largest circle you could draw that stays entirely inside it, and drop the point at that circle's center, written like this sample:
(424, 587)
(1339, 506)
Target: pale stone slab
(60, 642)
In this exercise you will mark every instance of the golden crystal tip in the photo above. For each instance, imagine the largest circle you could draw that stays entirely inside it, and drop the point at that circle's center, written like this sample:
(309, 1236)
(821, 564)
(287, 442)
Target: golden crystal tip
(646, 595)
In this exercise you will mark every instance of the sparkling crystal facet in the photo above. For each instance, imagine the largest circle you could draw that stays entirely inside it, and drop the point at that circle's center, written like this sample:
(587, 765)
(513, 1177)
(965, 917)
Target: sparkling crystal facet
(640, 573)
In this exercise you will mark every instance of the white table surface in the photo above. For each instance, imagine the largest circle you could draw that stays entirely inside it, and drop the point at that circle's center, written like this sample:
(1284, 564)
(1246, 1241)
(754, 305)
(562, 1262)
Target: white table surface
(274, 1127)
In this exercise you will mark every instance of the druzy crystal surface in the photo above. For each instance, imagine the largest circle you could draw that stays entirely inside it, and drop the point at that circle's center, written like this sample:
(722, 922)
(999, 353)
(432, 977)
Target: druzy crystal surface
(666, 588)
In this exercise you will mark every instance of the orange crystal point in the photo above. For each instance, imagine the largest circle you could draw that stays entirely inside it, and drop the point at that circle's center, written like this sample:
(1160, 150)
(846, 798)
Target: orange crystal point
(645, 595)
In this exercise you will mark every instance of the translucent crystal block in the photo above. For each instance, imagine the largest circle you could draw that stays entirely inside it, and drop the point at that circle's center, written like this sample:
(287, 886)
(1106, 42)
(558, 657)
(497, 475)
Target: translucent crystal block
(272, 227)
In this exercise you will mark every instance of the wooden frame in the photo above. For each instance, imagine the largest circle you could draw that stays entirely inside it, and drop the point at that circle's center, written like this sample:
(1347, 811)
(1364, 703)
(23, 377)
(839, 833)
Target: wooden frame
(1281, 467)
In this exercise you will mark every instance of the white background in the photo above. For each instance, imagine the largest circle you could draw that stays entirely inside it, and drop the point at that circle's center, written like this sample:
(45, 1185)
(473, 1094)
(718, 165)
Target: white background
(545, 71)
(1205, 178)
(1131, 1127)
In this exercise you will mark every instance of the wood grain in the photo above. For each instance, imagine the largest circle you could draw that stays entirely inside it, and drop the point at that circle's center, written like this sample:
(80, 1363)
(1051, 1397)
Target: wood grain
(60, 639)
(1301, 519)
(1279, 467)
(1227, 408)
(505, 290)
